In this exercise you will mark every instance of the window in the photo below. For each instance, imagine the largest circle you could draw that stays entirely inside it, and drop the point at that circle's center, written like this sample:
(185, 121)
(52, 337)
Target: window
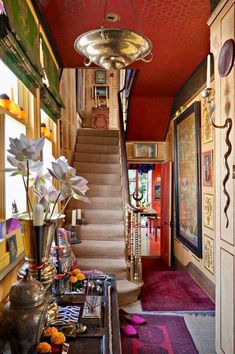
(14, 188)
(140, 185)
(8, 82)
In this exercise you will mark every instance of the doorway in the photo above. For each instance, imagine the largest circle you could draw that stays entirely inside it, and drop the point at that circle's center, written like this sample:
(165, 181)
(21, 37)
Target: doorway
(145, 193)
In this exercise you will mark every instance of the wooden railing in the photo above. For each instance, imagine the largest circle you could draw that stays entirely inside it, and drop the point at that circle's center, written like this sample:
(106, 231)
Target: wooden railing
(132, 214)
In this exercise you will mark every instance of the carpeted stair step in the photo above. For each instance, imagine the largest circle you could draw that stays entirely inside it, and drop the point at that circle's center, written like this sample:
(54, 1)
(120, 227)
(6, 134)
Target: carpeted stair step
(101, 158)
(100, 231)
(102, 190)
(98, 140)
(96, 203)
(103, 216)
(97, 167)
(97, 149)
(99, 249)
(97, 132)
(115, 266)
(103, 178)
(127, 292)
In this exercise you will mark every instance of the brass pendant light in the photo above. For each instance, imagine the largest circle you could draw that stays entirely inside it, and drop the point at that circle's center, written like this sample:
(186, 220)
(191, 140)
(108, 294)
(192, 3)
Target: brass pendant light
(113, 48)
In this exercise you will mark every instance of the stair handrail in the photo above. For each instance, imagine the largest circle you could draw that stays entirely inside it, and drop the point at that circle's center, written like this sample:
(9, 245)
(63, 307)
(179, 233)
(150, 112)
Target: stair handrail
(132, 227)
(124, 155)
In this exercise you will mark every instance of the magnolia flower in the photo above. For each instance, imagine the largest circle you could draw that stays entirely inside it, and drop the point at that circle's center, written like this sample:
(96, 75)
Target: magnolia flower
(61, 170)
(26, 162)
(71, 184)
(25, 149)
(20, 167)
(48, 195)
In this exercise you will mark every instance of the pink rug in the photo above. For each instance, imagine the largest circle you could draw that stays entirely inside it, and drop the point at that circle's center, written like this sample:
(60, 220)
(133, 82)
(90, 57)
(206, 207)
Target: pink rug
(173, 291)
(161, 335)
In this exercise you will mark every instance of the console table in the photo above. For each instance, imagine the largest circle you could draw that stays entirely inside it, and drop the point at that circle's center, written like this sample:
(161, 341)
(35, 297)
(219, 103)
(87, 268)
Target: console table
(102, 336)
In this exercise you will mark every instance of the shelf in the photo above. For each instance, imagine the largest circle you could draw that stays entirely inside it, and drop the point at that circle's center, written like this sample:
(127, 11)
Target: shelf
(5, 111)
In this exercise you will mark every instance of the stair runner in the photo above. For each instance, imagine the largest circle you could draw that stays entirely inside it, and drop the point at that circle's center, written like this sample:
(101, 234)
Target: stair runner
(97, 158)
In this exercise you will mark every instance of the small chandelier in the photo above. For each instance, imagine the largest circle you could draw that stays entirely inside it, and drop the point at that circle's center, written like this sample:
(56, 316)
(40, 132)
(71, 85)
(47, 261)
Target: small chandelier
(113, 48)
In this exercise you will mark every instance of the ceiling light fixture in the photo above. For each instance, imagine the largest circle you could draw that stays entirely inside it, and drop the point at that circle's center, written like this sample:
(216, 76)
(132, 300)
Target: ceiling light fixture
(113, 48)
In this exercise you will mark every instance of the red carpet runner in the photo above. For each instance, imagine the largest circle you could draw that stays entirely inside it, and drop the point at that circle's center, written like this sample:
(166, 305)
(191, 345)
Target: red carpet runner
(172, 291)
(161, 335)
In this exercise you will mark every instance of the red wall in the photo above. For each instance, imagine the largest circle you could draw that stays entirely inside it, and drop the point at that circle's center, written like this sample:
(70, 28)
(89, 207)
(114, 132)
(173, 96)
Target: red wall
(148, 118)
(156, 173)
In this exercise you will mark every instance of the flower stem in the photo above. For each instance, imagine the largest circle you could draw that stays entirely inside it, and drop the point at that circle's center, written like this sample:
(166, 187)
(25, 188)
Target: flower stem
(70, 197)
(27, 198)
(55, 205)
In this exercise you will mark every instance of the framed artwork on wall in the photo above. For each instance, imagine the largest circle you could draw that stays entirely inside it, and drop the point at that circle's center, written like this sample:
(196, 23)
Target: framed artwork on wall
(208, 202)
(157, 192)
(187, 174)
(209, 253)
(144, 150)
(12, 247)
(100, 76)
(207, 168)
(207, 128)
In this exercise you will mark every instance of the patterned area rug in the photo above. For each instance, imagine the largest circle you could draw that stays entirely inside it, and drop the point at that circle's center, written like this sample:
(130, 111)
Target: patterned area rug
(173, 291)
(161, 335)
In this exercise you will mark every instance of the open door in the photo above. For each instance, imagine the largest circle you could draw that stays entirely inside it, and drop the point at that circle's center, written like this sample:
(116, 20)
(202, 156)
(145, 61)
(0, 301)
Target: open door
(166, 211)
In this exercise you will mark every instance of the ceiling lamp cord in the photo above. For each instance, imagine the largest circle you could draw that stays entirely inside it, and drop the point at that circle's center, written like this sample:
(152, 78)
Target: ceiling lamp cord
(135, 12)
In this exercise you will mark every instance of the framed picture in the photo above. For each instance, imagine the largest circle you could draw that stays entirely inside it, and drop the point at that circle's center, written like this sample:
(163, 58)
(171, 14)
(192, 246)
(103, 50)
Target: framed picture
(157, 192)
(209, 253)
(207, 128)
(187, 174)
(100, 92)
(145, 150)
(12, 247)
(100, 76)
(208, 204)
(207, 168)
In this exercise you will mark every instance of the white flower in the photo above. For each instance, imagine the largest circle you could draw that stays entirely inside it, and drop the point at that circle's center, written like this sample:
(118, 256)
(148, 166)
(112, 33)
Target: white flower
(70, 183)
(20, 167)
(25, 149)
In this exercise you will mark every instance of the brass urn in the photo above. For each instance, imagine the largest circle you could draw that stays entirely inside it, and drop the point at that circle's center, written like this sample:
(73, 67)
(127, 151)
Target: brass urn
(24, 316)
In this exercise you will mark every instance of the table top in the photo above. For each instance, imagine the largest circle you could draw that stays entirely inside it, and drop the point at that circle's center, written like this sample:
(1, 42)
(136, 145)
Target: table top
(150, 212)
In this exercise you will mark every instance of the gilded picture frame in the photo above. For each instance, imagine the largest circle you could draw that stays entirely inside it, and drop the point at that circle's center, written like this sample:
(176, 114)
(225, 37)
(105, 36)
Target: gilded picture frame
(207, 168)
(188, 179)
(209, 253)
(208, 206)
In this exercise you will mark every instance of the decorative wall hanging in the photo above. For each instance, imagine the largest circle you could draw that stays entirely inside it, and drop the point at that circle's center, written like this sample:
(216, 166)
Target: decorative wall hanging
(208, 95)
(208, 202)
(207, 168)
(100, 117)
(209, 253)
(226, 58)
(207, 128)
(187, 174)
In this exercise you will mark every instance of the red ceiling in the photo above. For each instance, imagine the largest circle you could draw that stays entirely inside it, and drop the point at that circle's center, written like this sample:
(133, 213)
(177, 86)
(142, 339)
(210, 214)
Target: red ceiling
(177, 29)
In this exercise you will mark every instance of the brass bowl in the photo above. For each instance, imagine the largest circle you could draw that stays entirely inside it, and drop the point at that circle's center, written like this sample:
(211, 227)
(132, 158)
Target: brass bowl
(72, 331)
(113, 48)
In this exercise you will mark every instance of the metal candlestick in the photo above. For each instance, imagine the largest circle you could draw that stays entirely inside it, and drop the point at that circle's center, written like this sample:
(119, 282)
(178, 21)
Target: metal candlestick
(73, 238)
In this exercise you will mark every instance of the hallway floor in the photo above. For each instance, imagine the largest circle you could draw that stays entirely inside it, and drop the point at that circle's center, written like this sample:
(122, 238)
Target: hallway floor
(150, 243)
(201, 324)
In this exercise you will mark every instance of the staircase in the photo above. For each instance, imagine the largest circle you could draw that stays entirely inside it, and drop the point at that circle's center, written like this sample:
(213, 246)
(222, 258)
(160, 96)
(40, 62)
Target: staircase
(97, 158)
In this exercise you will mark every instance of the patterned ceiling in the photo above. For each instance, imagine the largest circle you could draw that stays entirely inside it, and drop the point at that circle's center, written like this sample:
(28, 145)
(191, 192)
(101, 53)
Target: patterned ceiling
(177, 28)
